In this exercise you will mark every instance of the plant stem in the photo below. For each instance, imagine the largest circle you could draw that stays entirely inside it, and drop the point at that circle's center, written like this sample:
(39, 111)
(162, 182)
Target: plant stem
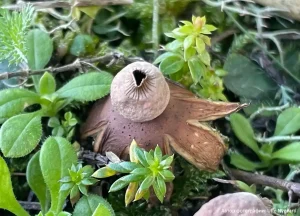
(67, 4)
(269, 109)
(286, 70)
(252, 178)
(277, 139)
(109, 59)
(155, 21)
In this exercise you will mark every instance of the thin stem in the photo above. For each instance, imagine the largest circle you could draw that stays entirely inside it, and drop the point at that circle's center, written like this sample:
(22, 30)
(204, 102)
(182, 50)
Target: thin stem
(277, 139)
(268, 109)
(255, 41)
(78, 63)
(67, 4)
(155, 21)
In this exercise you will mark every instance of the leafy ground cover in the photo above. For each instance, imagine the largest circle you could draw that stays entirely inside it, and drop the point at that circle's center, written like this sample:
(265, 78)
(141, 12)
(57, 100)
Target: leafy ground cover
(58, 58)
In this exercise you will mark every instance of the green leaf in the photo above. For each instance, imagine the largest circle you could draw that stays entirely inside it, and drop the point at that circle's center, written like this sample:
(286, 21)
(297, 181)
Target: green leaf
(146, 184)
(141, 171)
(124, 167)
(157, 153)
(102, 210)
(66, 186)
(189, 53)
(88, 87)
(39, 51)
(14, 101)
(171, 64)
(130, 165)
(197, 69)
(243, 163)
(243, 130)
(288, 122)
(141, 194)
(162, 57)
(53, 122)
(36, 182)
(20, 134)
(244, 187)
(40, 48)
(118, 185)
(56, 158)
(205, 57)
(289, 153)
(118, 168)
(167, 175)
(246, 79)
(124, 181)
(9, 202)
(74, 194)
(47, 84)
(88, 204)
(210, 27)
(159, 187)
(149, 158)
(167, 162)
(91, 11)
(82, 45)
(83, 189)
(104, 172)
(63, 213)
(174, 45)
(183, 30)
(188, 41)
(139, 153)
(200, 45)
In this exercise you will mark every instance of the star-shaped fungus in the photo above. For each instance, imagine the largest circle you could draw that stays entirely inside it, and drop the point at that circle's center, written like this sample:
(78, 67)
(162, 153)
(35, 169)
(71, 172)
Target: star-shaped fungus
(145, 106)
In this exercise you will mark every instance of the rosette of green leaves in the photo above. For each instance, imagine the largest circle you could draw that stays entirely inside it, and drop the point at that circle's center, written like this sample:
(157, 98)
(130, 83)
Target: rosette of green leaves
(77, 181)
(21, 131)
(145, 170)
(65, 127)
(188, 62)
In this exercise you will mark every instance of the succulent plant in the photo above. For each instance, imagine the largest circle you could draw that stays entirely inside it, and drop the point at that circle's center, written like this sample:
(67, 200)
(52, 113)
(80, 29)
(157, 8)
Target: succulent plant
(178, 125)
(146, 171)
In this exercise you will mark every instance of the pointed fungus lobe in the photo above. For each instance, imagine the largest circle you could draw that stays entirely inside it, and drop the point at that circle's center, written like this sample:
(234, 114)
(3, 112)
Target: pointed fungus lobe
(180, 124)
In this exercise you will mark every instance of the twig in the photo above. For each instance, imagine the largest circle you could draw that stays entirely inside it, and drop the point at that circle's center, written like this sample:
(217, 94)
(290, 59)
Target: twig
(30, 205)
(68, 4)
(18, 174)
(78, 63)
(64, 26)
(251, 178)
(222, 36)
(277, 139)
(155, 21)
(268, 109)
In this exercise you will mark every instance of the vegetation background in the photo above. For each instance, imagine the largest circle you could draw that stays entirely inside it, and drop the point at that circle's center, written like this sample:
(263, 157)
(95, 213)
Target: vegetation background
(238, 51)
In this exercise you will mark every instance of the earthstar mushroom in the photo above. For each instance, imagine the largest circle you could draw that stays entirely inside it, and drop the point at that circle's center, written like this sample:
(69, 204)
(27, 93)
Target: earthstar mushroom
(136, 88)
(181, 124)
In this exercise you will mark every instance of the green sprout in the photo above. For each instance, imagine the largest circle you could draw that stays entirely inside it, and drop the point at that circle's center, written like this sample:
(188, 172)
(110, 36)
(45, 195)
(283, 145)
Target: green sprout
(193, 36)
(65, 128)
(187, 61)
(146, 170)
(77, 182)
